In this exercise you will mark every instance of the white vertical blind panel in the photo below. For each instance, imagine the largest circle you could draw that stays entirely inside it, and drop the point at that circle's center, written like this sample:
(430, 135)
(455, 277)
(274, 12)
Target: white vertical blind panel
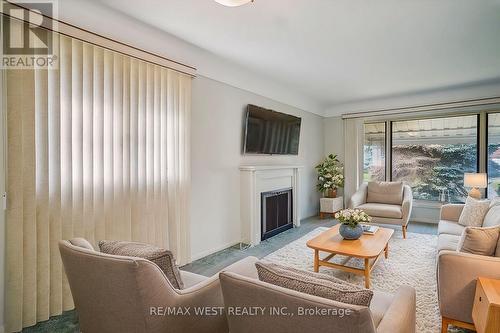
(156, 157)
(87, 142)
(108, 142)
(134, 147)
(117, 221)
(55, 220)
(141, 158)
(163, 152)
(66, 158)
(149, 149)
(126, 175)
(98, 145)
(42, 193)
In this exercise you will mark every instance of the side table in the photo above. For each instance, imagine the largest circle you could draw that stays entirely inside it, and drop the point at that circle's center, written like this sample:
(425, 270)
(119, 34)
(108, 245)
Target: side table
(486, 309)
(330, 206)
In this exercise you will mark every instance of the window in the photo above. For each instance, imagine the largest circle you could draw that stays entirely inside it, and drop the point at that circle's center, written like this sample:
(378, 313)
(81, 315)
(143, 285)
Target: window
(493, 155)
(432, 155)
(374, 152)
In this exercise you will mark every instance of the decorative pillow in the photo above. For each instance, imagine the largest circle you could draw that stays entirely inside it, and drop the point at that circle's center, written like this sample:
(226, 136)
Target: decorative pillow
(495, 201)
(312, 283)
(474, 212)
(385, 193)
(81, 242)
(492, 218)
(497, 252)
(161, 257)
(482, 241)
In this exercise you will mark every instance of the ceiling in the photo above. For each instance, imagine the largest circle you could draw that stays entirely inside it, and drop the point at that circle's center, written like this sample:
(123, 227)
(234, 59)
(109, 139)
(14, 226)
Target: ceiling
(342, 51)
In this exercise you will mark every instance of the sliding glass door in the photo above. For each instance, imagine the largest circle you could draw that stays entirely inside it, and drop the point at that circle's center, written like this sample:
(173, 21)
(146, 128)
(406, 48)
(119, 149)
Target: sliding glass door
(493, 155)
(432, 155)
(374, 152)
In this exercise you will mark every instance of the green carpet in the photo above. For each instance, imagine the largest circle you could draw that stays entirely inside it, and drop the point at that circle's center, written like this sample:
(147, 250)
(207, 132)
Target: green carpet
(65, 323)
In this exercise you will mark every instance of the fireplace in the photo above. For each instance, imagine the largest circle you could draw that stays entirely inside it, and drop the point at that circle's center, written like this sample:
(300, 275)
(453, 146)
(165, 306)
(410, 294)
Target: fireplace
(256, 180)
(276, 212)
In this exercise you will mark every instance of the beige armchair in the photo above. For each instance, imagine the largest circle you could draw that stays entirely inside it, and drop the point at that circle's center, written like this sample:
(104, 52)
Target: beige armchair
(457, 272)
(121, 294)
(385, 202)
(387, 313)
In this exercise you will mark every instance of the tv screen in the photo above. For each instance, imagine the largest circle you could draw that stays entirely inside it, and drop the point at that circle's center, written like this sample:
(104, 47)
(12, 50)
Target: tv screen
(271, 132)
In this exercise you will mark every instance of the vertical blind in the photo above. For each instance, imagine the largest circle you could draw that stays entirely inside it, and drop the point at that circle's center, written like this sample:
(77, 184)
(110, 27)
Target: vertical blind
(98, 148)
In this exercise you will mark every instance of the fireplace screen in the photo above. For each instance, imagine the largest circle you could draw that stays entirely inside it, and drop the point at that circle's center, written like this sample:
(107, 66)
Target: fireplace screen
(276, 212)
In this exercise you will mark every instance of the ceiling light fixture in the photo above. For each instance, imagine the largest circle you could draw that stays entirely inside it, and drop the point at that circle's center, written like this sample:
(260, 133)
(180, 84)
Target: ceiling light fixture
(233, 3)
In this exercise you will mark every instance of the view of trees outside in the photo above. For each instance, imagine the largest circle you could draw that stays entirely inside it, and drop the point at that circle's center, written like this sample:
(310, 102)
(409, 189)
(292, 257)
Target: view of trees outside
(493, 155)
(374, 152)
(432, 155)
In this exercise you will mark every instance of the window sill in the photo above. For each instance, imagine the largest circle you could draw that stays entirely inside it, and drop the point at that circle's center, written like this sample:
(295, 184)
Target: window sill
(427, 204)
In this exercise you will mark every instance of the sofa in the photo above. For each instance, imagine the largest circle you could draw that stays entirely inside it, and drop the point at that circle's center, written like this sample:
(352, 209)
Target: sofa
(385, 202)
(128, 294)
(243, 290)
(457, 272)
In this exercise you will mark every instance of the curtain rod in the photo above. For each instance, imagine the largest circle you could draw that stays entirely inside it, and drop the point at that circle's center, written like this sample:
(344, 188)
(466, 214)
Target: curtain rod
(424, 108)
(90, 37)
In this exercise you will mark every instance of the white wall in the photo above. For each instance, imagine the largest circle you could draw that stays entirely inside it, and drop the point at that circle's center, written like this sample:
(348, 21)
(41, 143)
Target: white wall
(334, 143)
(334, 136)
(216, 145)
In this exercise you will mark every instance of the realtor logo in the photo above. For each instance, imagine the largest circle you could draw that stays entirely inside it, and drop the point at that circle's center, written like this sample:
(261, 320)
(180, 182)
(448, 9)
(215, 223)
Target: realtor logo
(27, 35)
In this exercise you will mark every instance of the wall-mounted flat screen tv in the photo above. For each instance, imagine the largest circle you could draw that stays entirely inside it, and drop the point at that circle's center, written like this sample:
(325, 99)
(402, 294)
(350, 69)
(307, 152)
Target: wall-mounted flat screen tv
(271, 132)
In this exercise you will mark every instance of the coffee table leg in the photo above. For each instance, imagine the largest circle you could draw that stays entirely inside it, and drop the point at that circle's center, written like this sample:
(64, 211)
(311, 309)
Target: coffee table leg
(367, 273)
(386, 250)
(316, 261)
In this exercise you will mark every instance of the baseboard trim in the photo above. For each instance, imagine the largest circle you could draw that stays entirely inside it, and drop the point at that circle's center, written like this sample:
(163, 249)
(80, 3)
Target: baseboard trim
(228, 244)
(214, 250)
(424, 220)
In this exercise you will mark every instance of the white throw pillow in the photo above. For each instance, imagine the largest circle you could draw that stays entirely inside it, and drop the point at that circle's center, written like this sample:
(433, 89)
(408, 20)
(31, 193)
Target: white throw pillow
(495, 202)
(492, 218)
(474, 212)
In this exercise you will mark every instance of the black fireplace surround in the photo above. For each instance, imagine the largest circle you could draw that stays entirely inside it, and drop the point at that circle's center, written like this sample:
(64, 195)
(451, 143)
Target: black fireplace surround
(276, 212)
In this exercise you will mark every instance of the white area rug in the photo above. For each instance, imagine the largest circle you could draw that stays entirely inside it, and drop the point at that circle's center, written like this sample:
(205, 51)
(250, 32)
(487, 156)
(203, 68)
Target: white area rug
(411, 262)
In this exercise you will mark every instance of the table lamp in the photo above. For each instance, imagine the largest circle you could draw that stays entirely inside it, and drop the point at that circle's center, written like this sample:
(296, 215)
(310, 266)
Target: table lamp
(475, 181)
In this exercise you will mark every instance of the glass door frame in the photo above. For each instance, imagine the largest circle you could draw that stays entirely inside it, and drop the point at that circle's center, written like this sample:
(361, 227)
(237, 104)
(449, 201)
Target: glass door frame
(386, 128)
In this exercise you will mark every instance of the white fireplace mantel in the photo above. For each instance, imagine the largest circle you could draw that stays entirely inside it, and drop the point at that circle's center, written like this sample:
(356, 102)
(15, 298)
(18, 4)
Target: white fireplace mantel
(256, 179)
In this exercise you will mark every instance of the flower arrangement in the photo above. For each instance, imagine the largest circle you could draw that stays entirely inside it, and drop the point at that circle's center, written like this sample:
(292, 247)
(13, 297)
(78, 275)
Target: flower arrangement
(352, 217)
(330, 174)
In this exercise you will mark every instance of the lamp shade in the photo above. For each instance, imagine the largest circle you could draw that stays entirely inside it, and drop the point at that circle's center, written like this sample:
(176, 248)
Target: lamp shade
(477, 180)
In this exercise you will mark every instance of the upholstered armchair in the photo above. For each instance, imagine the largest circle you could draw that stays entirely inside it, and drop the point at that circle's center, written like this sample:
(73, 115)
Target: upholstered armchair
(385, 202)
(387, 313)
(127, 294)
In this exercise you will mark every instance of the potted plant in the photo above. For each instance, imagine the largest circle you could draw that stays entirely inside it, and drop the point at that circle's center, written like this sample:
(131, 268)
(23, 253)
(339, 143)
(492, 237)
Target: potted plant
(330, 176)
(350, 220)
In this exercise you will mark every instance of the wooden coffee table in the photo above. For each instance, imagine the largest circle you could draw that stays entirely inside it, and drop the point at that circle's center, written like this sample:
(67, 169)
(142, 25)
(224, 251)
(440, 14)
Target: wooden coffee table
(367, 247)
